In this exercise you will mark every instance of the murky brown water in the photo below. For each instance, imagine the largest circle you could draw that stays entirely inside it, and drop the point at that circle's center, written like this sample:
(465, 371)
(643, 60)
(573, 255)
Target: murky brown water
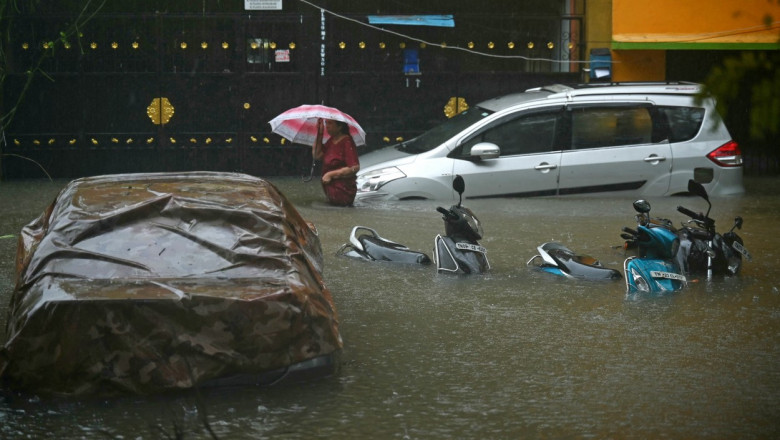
(512, 354)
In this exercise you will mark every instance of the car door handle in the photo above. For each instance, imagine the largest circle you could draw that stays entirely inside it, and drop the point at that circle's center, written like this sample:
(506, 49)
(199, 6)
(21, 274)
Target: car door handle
(654, 159)
(545, 166)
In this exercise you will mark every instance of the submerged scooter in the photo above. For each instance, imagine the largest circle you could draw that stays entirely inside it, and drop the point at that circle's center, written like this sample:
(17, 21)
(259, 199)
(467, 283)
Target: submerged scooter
(367, 245)
(458, 251)
(657, 267)
(557, 259)
(709, 252)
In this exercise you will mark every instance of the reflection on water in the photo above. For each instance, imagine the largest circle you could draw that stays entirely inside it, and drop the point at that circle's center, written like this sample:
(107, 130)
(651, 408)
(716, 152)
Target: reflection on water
(510, 354)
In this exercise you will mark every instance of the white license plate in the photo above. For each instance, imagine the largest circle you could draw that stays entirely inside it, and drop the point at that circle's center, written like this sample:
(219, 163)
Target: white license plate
(470, 247)
(741, 249)
(667, 275)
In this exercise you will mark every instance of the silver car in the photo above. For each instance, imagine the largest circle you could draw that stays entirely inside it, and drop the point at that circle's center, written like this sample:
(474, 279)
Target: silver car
(643, 139)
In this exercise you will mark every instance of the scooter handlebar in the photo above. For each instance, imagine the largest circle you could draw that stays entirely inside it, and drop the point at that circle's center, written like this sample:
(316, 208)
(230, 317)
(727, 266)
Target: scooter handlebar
(690, 213)
(696, 216)
(447, 213)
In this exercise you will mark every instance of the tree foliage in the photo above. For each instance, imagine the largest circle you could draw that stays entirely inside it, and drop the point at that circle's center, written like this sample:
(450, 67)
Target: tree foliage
(67, 32)
(749, 80)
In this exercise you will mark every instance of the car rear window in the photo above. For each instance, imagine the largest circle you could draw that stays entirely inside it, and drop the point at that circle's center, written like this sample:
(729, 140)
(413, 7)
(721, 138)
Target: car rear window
(684, 122)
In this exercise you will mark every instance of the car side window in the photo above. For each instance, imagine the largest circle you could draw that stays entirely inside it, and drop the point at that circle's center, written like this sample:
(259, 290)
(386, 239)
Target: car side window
(595, 127)
(524, 134)
(684, 122)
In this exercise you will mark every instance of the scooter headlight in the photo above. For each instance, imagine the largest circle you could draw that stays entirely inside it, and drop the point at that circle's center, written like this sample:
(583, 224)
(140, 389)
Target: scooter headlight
(373, 180)
(639, 282)
(474, 224)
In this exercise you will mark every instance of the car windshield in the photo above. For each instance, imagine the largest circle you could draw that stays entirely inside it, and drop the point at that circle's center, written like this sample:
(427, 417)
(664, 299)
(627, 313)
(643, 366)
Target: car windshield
(442, 132)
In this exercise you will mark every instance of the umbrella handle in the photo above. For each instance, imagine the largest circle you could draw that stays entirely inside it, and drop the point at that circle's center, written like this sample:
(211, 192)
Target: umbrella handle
(311, 172)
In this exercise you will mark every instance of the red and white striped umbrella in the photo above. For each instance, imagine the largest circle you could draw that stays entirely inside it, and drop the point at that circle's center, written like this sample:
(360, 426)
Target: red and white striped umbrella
(299, 124)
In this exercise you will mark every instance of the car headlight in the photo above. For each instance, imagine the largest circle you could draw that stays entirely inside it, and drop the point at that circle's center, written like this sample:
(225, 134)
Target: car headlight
(373, 180)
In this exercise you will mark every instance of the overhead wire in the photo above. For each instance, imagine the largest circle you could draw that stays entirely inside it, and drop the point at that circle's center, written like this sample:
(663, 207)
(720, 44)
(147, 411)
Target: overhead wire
(710, 35)
(440, 45)
(691, 38)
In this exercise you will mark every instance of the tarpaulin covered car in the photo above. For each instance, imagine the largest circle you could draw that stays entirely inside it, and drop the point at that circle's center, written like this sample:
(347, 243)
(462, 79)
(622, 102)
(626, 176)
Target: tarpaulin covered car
(143, 283)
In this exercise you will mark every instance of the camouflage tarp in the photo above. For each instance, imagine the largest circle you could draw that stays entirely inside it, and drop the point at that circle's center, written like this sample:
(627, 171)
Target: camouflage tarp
(149, 282)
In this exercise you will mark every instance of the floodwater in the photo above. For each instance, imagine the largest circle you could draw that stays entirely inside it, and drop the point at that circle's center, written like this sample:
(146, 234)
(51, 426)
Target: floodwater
(511, 354)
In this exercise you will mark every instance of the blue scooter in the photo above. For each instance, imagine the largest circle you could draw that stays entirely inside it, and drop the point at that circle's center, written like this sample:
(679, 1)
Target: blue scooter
(658, 267)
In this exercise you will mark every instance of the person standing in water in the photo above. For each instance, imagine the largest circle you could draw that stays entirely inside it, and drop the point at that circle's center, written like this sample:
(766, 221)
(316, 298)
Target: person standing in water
(340, 162)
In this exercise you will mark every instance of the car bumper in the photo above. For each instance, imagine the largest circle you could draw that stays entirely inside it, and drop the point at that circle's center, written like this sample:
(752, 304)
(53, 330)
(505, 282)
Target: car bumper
(374, 196)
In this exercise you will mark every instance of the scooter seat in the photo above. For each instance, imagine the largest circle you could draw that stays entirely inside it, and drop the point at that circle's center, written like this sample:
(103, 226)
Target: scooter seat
(384, 250)
(587, 260)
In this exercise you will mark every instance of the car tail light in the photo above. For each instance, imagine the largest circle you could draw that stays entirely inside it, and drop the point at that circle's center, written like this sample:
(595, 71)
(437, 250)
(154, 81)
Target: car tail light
(727, 155)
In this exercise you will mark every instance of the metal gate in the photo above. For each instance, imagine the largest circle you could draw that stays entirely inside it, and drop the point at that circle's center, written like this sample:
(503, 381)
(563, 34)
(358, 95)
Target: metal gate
(172, 92)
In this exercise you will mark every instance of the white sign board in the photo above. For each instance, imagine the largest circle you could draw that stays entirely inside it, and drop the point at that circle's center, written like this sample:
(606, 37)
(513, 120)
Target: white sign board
(263, 5)
(282, 55)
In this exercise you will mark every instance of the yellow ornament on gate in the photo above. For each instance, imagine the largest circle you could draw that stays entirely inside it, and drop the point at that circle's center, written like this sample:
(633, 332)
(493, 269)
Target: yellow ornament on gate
(455, 106)
(160, 111)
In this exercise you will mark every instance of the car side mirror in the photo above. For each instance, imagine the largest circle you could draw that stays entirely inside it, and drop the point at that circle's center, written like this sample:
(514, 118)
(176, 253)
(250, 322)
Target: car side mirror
(485, 150)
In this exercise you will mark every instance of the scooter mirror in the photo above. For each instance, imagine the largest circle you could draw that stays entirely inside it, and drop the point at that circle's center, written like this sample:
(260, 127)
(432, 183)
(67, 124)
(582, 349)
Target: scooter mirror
(738, 222)
(458, 184)
(697, 188)
(642, 206)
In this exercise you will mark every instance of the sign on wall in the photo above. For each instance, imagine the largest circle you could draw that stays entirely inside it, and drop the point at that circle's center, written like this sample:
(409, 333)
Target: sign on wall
(263, 5)
(282, 56)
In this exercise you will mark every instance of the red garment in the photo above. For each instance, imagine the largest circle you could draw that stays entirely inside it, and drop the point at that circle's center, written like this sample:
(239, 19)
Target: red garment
(336, 155)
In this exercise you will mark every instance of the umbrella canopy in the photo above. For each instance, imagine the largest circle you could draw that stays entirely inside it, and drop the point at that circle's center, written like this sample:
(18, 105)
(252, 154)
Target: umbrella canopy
(299, 124)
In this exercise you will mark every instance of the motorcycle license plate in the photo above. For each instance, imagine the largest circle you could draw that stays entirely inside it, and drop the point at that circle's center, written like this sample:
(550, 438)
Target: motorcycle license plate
(470, 247)
(741, 249)
(667, 275)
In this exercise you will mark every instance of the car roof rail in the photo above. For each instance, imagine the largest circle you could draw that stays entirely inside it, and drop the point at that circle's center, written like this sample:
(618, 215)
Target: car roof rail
(634, 83)
(554, 88)
(632, 87)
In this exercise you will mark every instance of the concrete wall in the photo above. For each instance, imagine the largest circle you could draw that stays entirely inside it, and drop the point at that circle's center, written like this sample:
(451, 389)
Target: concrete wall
(641, 33)
(694, 23)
